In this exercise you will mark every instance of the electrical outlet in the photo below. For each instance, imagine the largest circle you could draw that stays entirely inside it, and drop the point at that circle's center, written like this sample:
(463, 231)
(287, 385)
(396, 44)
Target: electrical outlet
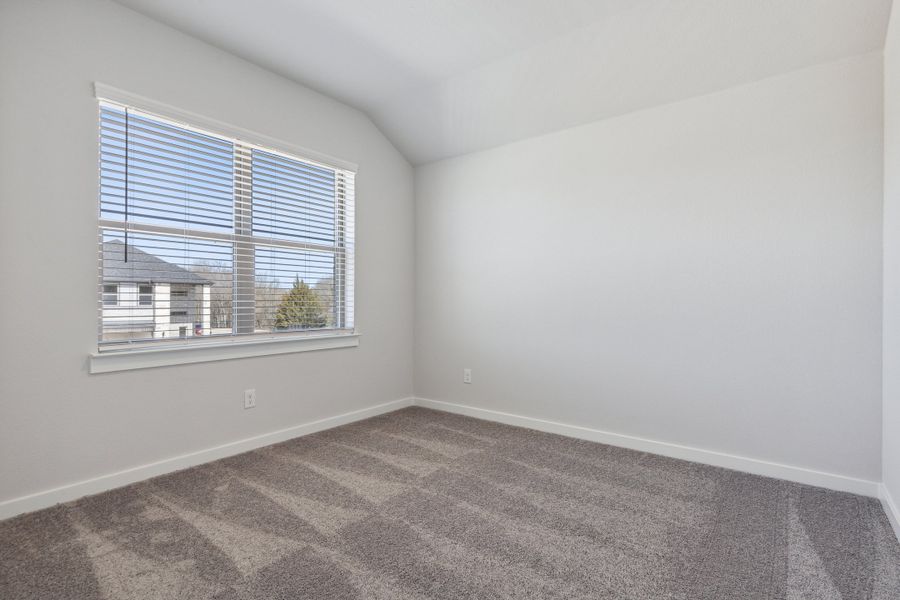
(467, 375)
(249, 398)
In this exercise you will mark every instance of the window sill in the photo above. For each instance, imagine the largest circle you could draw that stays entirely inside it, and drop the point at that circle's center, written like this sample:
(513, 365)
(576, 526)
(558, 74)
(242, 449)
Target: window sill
(146, 358)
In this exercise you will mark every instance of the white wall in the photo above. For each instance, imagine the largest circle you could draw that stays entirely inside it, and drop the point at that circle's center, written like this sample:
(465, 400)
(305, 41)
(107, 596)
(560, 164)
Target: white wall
(891, 457)
(705, 273)
(59, 424)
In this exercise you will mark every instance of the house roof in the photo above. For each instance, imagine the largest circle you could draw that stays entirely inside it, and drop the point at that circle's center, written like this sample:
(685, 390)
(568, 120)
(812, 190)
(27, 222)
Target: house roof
(142, 267)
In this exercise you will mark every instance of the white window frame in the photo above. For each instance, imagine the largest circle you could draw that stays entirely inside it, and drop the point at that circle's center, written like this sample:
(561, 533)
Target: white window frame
(214, 349)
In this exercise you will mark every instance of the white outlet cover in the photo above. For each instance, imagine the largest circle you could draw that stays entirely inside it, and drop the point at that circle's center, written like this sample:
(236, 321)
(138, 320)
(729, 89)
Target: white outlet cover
(249, 398)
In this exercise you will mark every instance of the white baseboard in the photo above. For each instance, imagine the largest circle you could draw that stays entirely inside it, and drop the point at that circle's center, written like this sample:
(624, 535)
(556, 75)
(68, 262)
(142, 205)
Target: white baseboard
(803, 475)
(73, 491)
(893, 513)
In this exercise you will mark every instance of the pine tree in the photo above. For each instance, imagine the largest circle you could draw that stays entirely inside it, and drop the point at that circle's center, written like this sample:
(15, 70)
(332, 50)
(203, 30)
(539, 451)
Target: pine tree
(300, 308)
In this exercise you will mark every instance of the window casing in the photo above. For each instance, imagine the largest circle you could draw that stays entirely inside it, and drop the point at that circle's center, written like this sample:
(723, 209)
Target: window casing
(236, 240)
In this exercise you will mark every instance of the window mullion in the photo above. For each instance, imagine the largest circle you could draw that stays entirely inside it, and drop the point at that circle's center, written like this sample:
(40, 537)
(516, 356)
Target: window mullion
(244, 248)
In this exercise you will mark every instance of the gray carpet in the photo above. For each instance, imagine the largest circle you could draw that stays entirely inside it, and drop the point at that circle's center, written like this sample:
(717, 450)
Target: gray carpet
(422, 504)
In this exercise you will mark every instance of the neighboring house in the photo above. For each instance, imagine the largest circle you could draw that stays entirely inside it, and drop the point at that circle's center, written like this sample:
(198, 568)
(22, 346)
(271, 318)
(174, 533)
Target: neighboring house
(148, 297)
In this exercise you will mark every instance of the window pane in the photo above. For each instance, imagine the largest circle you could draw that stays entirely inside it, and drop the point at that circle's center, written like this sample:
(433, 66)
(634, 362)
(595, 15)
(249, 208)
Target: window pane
(190, 278)
(294, 289)
(110, 295)
(145, 295)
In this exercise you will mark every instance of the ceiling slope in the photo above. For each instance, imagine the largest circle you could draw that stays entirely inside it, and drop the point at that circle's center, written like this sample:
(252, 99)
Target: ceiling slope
(448, 77)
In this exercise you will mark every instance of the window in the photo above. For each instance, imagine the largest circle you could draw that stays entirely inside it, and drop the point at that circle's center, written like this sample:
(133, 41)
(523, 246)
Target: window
(110, 295)
(145, 295)
(234, 239)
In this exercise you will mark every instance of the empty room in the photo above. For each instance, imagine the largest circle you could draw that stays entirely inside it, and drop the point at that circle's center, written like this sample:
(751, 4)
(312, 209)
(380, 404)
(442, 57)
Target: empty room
(450, 299)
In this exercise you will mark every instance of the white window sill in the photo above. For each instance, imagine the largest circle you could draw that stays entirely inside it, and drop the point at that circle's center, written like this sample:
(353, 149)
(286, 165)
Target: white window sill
(145, 358)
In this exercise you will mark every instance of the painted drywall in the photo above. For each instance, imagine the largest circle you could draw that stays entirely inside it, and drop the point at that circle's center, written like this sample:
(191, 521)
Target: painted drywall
(705, 273)
(891, 416)
(61, 425)
(446, 78)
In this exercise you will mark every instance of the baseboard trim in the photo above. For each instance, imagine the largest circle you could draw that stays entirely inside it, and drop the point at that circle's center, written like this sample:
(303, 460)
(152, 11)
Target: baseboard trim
(73, 491)
(803, 475)
(890, 508)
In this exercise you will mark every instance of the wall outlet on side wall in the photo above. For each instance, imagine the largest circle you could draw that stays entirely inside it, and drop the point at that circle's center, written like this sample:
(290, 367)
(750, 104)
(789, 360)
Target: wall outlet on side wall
(467, 375)
(249, 398)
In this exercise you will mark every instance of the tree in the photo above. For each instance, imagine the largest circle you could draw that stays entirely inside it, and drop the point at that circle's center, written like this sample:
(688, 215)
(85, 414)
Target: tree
(221, 296)
(300, 308)
(268, 298)
(324, 291)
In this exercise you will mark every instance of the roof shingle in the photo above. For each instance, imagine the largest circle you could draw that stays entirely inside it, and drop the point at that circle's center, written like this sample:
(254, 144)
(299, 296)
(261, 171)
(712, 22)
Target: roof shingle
(142, 267)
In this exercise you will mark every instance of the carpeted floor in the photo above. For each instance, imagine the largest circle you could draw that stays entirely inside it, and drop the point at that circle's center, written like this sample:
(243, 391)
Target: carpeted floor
(423, 504)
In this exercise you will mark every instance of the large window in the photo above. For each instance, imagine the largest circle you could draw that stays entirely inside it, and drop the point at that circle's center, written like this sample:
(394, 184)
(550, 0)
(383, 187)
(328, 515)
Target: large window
(204, 236)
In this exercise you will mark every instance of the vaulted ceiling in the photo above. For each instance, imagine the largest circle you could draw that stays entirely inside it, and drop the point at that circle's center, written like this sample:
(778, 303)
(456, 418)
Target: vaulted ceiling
(448, 77)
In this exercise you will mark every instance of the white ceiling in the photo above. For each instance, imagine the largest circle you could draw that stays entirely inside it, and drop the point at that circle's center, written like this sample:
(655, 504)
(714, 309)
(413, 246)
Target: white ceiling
(447, 77)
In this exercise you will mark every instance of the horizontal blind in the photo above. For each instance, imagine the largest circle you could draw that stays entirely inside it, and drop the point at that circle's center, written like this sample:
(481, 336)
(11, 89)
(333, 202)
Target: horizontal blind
(292, 200)
(203, 236)
(174, 176)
